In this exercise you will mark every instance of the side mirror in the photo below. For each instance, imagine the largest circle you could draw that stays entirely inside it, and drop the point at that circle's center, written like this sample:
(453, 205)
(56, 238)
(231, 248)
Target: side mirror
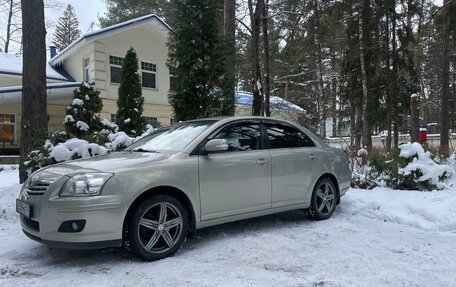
(216, 145)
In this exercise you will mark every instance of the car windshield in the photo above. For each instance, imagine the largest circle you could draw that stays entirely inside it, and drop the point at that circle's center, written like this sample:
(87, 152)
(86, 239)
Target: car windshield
(174, 138)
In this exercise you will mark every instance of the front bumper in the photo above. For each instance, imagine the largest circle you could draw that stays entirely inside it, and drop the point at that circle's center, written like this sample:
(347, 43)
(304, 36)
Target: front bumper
(102, 216)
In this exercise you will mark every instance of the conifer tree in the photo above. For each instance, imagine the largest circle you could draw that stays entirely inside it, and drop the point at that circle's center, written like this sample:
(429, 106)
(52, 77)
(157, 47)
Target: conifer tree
(197, 61)
(130, 101)
(82, 117)
(67, 29)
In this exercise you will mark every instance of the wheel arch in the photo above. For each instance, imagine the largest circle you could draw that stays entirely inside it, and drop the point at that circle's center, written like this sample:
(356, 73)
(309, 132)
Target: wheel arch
(163, 190)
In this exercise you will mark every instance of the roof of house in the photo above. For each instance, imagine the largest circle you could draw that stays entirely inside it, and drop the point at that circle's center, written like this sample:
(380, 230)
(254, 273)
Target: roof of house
(246, 98)
(12, 65)
(92, 36)
(54, 91)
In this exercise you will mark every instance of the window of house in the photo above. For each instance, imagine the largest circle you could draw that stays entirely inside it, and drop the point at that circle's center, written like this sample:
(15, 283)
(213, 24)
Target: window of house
(283, 136)
(86, 65)
(153, 121)
(149, 75)
(7, 126)
(172, 121)
(113, 118)
(116, 67)
(172, 83)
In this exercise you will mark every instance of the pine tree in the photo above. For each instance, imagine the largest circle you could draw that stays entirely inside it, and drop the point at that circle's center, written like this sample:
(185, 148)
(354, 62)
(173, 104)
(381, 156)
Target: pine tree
(82, 118)
(130, 101)
(118, 11)
(67, 29)
(197, 61)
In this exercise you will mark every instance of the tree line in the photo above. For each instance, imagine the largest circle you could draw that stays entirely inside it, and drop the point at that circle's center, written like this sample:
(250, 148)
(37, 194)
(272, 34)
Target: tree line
(357, 61)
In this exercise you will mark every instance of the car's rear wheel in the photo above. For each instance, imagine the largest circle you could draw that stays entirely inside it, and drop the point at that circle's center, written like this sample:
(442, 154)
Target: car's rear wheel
(158, 228)
(324, 200)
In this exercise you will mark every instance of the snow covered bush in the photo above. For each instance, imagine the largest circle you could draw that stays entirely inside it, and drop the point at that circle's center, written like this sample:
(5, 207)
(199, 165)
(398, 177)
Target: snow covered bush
(409, 167)
(60, 147)
(82, 117)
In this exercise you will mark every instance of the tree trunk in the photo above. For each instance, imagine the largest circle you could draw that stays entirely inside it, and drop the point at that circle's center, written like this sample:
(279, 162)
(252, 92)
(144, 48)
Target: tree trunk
(389, 100)
(34, 98)
(394, 80)
(444, 132)
(319, 67)
(334, 92)
(415, 118)
(230, 38)
(255, 18)
(267, 87)
(366, 133)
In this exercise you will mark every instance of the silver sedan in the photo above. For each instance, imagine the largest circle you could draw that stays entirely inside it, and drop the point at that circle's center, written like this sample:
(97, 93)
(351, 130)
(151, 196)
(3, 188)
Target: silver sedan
(191, 175)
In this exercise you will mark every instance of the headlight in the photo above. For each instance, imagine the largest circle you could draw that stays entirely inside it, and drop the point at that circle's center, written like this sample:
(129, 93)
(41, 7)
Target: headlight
(87, 184)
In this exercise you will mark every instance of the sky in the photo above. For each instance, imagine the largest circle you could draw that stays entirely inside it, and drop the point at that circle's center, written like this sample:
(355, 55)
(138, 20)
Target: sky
(86, 11)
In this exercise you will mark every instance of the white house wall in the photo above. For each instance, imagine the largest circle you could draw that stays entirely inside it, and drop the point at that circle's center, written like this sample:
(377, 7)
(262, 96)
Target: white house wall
(150, 46)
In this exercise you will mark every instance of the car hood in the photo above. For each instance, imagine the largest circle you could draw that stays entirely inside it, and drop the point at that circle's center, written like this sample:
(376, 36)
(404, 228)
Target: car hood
(112, 162)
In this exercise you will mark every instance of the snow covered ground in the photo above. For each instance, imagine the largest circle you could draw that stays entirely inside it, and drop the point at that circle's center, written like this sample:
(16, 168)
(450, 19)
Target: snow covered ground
(376, 238)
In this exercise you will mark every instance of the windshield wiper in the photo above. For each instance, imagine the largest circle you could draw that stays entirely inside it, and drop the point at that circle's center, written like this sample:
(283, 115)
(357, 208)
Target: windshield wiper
(144, 150)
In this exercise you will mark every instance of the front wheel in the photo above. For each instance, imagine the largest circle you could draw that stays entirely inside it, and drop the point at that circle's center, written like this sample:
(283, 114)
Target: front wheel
(324, 199)
(158, 228)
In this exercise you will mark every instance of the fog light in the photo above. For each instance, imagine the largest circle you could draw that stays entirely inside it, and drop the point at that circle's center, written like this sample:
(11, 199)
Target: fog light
(72, 225)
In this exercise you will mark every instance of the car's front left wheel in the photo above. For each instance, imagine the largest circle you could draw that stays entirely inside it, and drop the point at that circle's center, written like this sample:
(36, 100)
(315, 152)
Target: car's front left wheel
(158, 228)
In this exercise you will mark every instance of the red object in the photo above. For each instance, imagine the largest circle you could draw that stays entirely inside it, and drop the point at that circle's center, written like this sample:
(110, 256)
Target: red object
(423, 135)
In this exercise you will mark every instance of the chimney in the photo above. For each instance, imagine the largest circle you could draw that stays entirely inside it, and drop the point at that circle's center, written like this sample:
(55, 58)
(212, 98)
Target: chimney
(53, 51)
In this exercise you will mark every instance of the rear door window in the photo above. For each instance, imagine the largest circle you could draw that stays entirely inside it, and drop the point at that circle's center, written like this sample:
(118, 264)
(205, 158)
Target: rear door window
(284, 136)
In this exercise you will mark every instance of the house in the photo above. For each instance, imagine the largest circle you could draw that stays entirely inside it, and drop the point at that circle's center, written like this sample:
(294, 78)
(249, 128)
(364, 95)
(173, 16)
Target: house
(97, 58)
(279, 107)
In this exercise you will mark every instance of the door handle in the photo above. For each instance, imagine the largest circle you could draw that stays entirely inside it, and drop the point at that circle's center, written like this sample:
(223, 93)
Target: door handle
(262, 161)
(312, 156)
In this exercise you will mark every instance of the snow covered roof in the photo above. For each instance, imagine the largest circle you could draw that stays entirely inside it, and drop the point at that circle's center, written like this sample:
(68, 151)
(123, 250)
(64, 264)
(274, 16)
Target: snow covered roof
(246, 98)
(156, 21)
(55, 91)
(12, 65)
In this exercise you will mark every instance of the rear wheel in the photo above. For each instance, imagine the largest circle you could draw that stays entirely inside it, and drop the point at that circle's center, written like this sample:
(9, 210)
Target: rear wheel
(324, 200)
(158, 228)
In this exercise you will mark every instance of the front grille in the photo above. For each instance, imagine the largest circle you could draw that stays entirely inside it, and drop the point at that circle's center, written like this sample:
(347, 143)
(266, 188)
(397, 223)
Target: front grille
(32, 224)
(38, 187)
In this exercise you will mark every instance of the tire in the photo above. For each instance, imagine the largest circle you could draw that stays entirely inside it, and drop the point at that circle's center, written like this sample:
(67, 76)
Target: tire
(158, 228)
(324, 200)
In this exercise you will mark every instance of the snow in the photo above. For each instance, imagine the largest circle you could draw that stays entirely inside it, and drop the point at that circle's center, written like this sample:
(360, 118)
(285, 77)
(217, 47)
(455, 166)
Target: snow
(376, 237)
(362, 152)
(109, 124)
(77, 102)
(65, 151)
(127, 120)
(82, 126)
(410, 149)
(68, 119)
(119, 139)
(12, 64)
(423, 163)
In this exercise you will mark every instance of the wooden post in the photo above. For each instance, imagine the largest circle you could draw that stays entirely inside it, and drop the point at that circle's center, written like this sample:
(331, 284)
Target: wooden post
(415, 118)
